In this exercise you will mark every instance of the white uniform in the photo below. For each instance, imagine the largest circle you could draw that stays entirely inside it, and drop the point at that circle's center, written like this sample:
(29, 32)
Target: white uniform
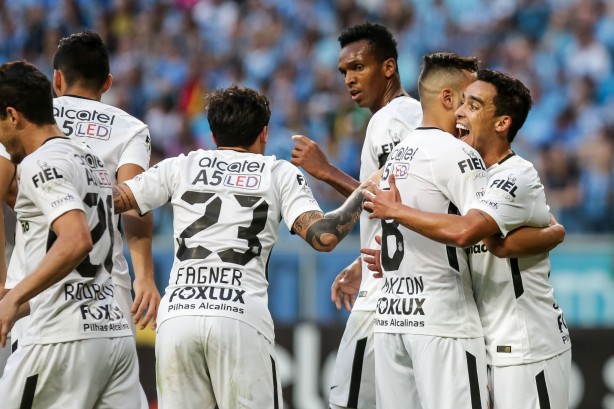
(79, 312)
(9, 243)
(428, 335)
(523, 324)
(353, 382)
(227, 208)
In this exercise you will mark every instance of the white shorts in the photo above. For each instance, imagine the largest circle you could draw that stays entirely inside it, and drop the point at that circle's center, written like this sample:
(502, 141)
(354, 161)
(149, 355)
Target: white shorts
(422, 371)
(99, 373)
(353, 381)
(5, 353)
(540, 385)
(215, 362)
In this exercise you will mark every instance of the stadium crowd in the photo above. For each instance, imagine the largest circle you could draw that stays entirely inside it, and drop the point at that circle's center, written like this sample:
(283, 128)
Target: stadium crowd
(166, 55)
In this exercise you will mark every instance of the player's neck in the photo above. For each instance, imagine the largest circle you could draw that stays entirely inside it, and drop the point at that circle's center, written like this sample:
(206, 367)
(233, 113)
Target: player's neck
(392, 92)
(234, 148)
(35, 136)
(82, 93)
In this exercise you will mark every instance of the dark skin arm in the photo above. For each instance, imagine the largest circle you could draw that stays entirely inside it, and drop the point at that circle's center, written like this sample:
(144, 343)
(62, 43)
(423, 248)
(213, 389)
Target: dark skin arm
(308, 155)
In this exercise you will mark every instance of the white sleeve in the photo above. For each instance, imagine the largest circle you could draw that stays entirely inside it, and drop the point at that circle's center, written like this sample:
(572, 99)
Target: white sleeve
(514, 199)
(56, 193)
(295, 195)
(155, 187)
(461, 176)
(138, 150)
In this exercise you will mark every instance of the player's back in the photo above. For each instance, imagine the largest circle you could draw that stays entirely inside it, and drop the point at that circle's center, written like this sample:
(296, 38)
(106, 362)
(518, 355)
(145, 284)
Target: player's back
(428, 285)
(58, 177)
(522, 320)
(227, 208)
(117, 138)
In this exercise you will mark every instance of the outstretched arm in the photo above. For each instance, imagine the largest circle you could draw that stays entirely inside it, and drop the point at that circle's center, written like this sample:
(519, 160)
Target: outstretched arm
(527, 241)
(123, 199)
(449, 229)
(308, 155)
(324, 231)
(139, 232)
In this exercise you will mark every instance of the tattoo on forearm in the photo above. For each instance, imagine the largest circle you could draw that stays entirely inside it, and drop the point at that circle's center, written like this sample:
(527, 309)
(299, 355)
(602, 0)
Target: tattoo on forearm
(121, 199)
(304, 220)
(337, 223)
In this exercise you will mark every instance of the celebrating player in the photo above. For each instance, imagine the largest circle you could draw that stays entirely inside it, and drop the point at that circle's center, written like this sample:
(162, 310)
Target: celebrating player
(368, 63)
(78, 349)
(428, 335)
(528, 344)
(214, 346)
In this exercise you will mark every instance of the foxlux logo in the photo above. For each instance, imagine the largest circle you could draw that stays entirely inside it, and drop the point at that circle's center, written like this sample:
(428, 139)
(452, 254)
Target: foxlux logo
(207, 293)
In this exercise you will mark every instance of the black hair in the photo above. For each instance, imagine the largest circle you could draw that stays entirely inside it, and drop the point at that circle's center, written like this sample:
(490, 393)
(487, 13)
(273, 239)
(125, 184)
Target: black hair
(237, 115)
(83, 58)
(447, 63)
(382, 44)
(512, 98)
(27, 90)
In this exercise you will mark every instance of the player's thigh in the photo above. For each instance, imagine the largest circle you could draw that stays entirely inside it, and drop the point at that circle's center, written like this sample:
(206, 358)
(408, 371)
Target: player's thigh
(123, 389)
(454, 365)
(395, 381)
(532, 386)
(65, 375)
(182, 375)
(243, 366)
(353, 381)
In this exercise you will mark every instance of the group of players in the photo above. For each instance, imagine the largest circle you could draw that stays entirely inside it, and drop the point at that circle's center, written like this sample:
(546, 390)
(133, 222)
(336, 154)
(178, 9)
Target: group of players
(430, 316)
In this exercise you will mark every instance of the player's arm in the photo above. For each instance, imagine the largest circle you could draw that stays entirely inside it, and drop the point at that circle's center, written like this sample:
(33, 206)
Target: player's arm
(139, 232)
(452, 230)
(7, 173)
(73, 243)
(324, 231)
(346, 285)
(123, 199)
(308, 155)
(527, 241)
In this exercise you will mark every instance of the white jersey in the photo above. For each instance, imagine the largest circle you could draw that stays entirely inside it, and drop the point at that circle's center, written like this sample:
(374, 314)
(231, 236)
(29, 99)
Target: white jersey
(9, 219)
(521, 318)
(58, 177)
(117, 138)
(388, 126)
(227, 208)
(427, 287)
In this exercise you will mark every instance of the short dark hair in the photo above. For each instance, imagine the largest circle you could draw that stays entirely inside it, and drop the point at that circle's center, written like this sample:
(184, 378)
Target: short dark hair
(237, 115)
(512, 98)
(27, 90)
(83, 58)
(445, 63)
(382, 44)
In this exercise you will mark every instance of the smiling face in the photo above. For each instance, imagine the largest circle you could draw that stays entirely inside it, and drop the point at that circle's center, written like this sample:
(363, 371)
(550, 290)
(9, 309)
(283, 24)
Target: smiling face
(365, 76)
(475, 119)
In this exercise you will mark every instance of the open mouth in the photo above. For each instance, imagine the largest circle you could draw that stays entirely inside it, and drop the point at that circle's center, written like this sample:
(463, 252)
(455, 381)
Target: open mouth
(462, 132)
(354, 94)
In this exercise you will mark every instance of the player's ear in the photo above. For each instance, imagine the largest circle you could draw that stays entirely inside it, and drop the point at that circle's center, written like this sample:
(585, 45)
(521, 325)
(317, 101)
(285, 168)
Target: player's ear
(390, 68)
(58, 82)
(503, 123)
(446, 97)
(107, 83)
(264, 135)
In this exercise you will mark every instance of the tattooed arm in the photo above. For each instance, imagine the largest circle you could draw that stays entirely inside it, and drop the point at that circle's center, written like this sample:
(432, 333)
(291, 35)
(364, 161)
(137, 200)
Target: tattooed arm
(123, 199)
(324, 231)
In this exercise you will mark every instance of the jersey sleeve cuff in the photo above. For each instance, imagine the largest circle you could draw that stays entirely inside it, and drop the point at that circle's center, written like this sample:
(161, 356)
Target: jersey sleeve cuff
(493, 213)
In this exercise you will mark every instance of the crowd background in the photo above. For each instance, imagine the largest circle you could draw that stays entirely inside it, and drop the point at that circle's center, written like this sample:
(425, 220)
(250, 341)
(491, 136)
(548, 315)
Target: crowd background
(166, 55)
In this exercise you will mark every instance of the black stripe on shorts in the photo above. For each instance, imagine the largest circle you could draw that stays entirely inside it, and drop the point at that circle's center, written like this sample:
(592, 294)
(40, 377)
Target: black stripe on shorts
(359, 357)
(474, 383)
(275, 391)
(28, 392)
(542, 391)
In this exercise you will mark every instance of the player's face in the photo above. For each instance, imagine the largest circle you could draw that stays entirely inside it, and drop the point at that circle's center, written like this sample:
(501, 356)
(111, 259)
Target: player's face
(363, 74)
(475, 118)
